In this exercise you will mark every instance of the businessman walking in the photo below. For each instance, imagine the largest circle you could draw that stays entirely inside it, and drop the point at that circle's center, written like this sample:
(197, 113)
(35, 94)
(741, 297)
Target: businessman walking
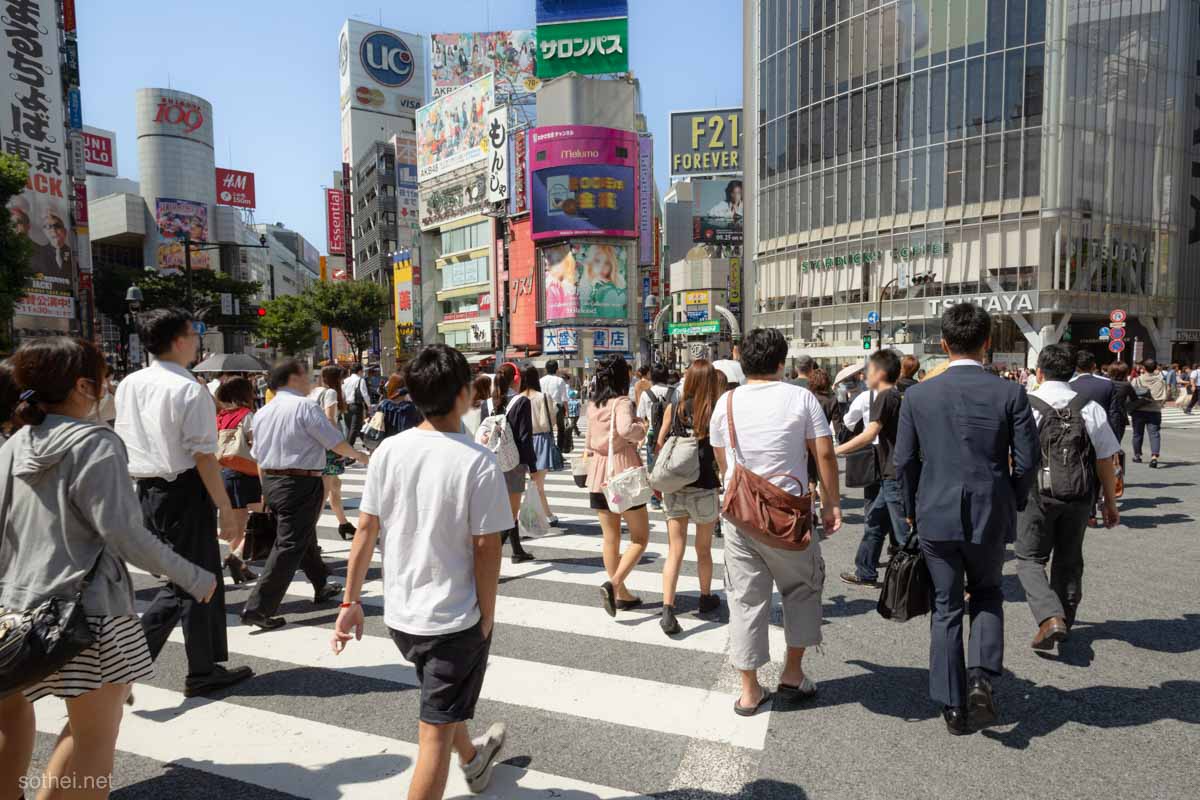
(966, 455)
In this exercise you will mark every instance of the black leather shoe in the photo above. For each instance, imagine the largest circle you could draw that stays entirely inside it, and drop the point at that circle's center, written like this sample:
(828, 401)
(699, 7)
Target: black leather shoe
(981, 708)
(259, 620)
(219, 678)
(328, 592)
(956, 720)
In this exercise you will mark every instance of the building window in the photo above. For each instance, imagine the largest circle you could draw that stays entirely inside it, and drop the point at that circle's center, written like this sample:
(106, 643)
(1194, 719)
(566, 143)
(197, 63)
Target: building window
(468, 237)
(955, 101)
(885, 186)
(903, 112)
(903, 181)
(994, 99)
(975, 97)
(1034, 57)
(954, 176)
(1033, 163)
(1014, 91)
(918, 180)
(974, 170)
(465, 273)
(995, 25)
(1016, 23)
(887, 117)
(991, 169)
(1012, 166)
(920, 109)
(887, 57)
(937, 177)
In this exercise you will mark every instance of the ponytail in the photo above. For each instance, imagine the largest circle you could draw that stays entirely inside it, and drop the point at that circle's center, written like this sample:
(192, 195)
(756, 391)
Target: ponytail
(500, 387)
(28, 411)
(46, 371)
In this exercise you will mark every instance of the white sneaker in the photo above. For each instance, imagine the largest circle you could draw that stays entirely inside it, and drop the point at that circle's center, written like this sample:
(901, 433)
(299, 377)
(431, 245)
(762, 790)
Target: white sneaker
(487, 748)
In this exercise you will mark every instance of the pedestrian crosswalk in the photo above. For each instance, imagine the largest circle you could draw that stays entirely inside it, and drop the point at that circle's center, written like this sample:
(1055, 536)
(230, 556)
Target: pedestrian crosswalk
(596, 707)
(1174, 418)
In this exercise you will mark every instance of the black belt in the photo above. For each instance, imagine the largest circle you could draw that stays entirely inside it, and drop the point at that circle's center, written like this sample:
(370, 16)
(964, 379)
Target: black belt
(294, 473)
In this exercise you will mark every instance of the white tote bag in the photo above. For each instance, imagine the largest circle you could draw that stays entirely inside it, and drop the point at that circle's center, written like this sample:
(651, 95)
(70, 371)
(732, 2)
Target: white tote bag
(631, 488)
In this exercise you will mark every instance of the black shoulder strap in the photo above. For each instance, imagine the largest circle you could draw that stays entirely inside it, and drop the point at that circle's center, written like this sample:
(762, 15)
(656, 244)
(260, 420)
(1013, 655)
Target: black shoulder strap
(1077, 404)
(1042, 407)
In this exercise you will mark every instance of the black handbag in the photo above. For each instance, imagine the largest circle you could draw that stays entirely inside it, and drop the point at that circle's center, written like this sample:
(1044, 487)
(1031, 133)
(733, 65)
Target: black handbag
(907, 591)
(862, 466)
(260, 535)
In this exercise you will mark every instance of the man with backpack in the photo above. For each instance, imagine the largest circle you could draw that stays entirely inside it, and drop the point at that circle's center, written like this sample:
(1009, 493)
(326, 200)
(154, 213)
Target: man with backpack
(651, 407)
(1077, 447)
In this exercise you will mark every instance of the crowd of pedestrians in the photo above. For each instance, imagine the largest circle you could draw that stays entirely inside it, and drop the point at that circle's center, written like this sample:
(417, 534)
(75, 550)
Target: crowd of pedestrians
(962, 462)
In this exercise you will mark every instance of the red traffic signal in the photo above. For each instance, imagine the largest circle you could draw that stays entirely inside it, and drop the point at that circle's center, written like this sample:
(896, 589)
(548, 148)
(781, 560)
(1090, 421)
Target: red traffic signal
(262, 312)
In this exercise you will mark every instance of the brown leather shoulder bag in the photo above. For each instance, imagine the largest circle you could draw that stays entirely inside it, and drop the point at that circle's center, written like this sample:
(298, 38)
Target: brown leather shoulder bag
(761, 509)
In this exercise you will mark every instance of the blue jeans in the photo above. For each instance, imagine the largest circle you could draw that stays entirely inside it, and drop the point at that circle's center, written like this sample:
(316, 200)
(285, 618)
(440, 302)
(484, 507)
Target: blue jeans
(1144, 421)
(885, 511)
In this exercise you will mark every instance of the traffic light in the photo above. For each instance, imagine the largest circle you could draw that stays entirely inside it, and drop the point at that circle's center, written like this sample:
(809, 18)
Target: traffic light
(260, 311)
(866, 343)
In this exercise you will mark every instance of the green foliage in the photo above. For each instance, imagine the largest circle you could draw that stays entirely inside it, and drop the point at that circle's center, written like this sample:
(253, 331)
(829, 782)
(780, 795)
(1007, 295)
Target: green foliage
(14, 248)
(161, 291)
(353, 307)
(289, 324)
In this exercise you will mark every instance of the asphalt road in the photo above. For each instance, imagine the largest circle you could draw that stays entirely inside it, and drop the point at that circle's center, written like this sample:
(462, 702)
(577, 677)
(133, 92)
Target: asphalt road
(598, 708)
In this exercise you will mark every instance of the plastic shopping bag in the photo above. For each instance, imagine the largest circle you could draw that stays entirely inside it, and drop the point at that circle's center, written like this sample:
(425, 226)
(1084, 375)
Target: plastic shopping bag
(531, 518)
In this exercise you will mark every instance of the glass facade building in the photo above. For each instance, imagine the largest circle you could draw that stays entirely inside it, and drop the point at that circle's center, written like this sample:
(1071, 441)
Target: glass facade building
(1034, 156)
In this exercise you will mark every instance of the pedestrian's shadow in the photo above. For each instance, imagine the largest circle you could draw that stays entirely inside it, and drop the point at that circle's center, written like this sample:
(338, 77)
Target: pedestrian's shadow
(1127, 504)
(326, 780)
(1157, 521)
(1174, 636)
(900, 692)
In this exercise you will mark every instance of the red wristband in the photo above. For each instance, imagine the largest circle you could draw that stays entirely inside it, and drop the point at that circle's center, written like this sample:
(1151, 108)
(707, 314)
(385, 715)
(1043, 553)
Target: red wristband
(351, 603)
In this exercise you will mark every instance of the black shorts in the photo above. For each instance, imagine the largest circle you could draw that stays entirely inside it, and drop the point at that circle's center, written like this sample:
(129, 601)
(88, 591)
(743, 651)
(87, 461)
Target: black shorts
(450, 668)
(599, 502)
(242, 489)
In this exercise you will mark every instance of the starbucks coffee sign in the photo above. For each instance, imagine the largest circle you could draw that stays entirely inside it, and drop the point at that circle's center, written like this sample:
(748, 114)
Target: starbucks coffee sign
(1000, 302)
(911, 253)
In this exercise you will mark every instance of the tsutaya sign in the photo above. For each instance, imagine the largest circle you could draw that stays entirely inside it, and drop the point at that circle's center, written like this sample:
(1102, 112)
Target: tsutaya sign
(931, 249)
(1008, 302)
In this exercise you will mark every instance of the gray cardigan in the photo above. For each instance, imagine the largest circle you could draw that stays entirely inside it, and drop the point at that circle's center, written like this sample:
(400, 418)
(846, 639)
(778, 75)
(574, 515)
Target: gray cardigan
(66, 496)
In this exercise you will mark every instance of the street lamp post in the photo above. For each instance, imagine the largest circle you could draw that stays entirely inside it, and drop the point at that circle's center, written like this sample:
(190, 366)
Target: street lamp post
(134, 298)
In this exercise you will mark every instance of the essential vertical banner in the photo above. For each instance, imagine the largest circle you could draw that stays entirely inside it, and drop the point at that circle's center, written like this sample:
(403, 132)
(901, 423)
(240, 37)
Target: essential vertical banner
(645, 199)
(497, 154)
(335, 221)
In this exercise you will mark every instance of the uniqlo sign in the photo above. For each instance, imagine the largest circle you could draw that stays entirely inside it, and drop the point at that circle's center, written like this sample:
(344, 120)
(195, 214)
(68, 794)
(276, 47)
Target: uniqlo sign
(235, 188)
(99, 152)
(335, 221)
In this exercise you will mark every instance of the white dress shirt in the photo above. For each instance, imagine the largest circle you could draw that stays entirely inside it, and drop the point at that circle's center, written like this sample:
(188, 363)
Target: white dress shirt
(860, 409)
(555, 388)
(354, 389)
(165, 417)
(1057, 394)
(292, 432)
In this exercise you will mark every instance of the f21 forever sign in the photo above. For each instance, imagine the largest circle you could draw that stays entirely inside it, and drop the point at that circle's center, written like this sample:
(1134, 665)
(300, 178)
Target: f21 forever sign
(706, 142)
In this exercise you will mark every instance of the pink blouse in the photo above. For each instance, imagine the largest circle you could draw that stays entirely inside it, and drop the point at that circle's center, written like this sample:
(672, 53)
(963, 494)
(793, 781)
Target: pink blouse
(629, 433)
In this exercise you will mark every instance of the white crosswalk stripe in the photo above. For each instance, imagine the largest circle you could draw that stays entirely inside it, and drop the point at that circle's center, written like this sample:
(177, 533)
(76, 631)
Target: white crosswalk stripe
(623, 675)
(1174, 418)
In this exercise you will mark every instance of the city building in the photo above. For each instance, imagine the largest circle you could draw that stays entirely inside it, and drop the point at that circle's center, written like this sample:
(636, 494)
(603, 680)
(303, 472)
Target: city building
(373, 213)
(291, 262)
(1028, 156)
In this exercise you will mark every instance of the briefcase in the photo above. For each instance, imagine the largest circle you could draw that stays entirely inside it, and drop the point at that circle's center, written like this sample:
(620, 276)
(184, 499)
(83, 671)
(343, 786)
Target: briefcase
(260, 535)
(907, 588)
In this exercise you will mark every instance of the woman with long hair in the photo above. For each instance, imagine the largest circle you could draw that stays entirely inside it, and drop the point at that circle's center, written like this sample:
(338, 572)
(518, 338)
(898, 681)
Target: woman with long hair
(518, 412)
(235, 400)
(612, 407)
(328, 396)
(696, 502)
(481, 390)
(71, 516)
(399, 412)
(543, 413)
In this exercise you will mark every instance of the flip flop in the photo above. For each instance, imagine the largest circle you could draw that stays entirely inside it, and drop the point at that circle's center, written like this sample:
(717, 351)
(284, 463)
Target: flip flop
(793, 694)
(742, 711)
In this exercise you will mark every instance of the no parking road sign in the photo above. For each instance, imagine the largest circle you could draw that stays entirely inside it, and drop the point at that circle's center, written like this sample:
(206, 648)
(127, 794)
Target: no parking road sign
(1116, 345)
(1116, 315)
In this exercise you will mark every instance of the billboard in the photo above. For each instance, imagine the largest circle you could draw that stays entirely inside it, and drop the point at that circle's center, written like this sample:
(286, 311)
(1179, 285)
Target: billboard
(379, 69)
(407, 205)
(567, 10)
(451, 129)
(583, 181)
(402, 280)
(176, 218)
(100, 151)
(335, 221)
(497, 152)
(717, 211)
(518, 193)
(522, 286)
(235, 188)
(452, 200)
(589, 47)
(645, 199)
(706, 142)
(32, 127)
(459, 58)
(586, 280)
(560, 341)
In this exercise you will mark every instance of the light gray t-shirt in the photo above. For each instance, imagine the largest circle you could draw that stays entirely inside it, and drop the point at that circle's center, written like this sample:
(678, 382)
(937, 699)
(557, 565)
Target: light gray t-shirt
(433, 492)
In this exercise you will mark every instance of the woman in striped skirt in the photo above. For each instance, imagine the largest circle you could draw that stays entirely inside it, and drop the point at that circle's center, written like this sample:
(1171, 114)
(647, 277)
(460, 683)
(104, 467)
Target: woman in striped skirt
(69, 521)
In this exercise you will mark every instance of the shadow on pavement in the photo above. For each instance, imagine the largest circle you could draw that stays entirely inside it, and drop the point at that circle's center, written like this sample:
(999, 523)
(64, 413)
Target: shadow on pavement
(761, 789)
(1174, 636)
(1144, 523)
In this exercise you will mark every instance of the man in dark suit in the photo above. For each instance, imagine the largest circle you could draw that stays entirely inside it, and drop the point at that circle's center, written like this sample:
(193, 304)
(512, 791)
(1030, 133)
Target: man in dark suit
(966, 455)
(1092, 384)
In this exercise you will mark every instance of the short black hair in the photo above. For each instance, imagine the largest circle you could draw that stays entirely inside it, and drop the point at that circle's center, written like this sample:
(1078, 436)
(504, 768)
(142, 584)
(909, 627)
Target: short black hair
(612, 379)
(763, 350)
(888, 361)
(357, 368)
(436, 377)
(159, 328)
(659, 373)
(965, 328)
(1057, 362)
(804, 364)
(283, 371)
(1085, 360)
(552, 367)
(1150, 365)
(643, 370)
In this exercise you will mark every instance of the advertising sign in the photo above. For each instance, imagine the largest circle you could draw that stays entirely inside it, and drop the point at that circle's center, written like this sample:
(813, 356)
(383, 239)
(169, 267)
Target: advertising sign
(379, 69)
(174, 113)
(583, 181)
(100, 151)
(586, 280)
(452, 200)
(610, 340)
(693, 328)
(695, 298)
(402, 280)
(459, 58)
(235, 188)
(567, 10)
(645, 199)
(407, 203)
(335, 222)
(175, 218)
(497, 153)
(518, 194)
(698, 315)
(735, 284)
(717, 212)
(559, 341)
(706, 142)
(74, 108)
(522, 301)
(451, 130)
(589, 47)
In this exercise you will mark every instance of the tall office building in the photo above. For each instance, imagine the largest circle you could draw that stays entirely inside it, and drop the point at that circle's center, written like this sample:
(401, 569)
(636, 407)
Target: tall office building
(1034, 157)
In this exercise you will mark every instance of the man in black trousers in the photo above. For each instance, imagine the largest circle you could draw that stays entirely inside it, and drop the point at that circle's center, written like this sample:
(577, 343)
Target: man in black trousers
(168, 422)
(290, 436)
(967, 454)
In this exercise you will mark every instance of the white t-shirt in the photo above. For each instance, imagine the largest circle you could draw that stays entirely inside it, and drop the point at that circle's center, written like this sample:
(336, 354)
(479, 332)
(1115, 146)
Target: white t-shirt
(774, 423)
(661, 392)
(432, 493)
(1195, 378)
(555, 388)
(860, 409)
(323, 396)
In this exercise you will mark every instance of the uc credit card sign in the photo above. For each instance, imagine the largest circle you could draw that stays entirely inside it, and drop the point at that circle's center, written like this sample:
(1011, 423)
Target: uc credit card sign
(583, 181)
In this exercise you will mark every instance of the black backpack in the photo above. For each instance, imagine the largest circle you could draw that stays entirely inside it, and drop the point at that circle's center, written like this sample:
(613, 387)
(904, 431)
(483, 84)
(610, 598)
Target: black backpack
(658, 409)
(1068, 471)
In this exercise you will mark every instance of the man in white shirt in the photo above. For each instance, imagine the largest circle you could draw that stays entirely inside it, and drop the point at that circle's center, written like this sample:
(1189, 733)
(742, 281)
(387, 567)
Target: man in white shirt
(1194, 379)
(1054, 520)
(555, 388)
(358, 400)
(651, 407)
(168, 422)
(437, 504)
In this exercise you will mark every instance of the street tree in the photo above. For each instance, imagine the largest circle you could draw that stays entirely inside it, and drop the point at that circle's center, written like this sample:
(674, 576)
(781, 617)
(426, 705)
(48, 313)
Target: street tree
(163, 290)
(353, 307)
(289, 324)
(15, 248)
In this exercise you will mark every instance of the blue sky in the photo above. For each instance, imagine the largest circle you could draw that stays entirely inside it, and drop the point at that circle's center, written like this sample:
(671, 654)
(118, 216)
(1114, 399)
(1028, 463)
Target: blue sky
(269, 68)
